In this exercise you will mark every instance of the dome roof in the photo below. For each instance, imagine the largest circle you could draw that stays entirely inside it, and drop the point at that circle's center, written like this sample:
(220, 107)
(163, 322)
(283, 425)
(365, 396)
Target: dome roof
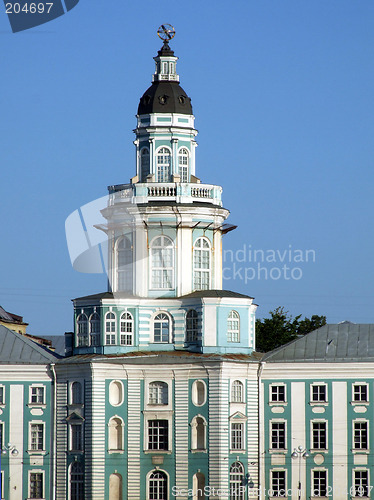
(165, 97)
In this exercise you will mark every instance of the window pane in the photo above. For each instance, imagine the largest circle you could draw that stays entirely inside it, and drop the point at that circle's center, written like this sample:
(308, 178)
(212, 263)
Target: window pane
(158, 435)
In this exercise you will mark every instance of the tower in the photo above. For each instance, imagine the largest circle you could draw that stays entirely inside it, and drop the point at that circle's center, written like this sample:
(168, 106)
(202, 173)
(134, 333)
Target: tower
(164, 232)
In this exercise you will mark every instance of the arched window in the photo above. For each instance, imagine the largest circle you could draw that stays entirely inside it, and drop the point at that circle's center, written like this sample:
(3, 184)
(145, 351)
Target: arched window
(163, 165)
(115, 393)
(158, 486)
(110, 328)
(233, 327)
(115, 486)
(76, 393)
(115, 438)
(124, 265)
(201, 264)
(191, 326)
(237, 392)
(158, 393)
(161, 328)
(144, 164)
(127, 329)
(183, 164)
(198, 433)
(82, 330)
(162, 262)
(198, 393)
(237, 492)
(95, 329)
(76, 481)
(198, 486)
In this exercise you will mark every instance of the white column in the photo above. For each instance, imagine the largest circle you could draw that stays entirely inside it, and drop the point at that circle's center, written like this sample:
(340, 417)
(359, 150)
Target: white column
(133, 422)
(339, 481)
(298, 435)
(174, 145)
(16, 438)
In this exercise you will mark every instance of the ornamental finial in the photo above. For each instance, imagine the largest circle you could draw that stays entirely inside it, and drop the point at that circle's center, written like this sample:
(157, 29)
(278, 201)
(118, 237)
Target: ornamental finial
(166, 32)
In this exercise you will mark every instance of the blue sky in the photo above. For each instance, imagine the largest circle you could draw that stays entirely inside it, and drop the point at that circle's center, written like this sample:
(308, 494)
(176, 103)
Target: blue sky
(282, 94)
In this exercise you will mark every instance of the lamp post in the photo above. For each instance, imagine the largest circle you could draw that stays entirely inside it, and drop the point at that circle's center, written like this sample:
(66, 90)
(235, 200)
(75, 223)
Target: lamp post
(8, 448)
(300, 453)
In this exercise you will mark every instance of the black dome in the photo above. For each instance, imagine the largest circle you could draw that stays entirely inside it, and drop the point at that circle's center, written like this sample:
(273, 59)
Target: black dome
(165, 97)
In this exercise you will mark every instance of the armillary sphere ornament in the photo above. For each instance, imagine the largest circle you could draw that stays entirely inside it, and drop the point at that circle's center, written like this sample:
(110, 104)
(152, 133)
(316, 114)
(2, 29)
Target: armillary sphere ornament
(166, 32)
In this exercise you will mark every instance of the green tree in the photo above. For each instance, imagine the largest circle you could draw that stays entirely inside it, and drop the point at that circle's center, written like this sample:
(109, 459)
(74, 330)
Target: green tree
(281, 328)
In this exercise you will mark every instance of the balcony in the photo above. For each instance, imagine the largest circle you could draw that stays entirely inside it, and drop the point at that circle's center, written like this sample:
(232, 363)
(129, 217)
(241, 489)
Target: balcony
(176, 192)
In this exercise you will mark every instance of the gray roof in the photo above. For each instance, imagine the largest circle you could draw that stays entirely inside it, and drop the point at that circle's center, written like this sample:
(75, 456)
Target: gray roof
(16, 349)
(330, 343)
(58, 342)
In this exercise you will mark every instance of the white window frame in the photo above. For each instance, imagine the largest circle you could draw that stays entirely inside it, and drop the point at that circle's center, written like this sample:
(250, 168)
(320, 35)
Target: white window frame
(277, 401)
(35, 387)
(153, 471)
(109, 333)
(361, 421)
(79, 424)
(158, 415)
(2, 440)
(318, 402)
(202, 275)
(80, 482)
(36, 451)
(36, 471)
(242, 423)
(233, 391)
(194, 437)
(82, 330)
(162, 275)
(271, 490)
(122, 436)
(142, 154)
(237, 482)
(233, 334)
(94, 335)
(161, 389)
(313, 490)
(183, 164)
(360, 402)
(125, 334)
(124, 271)
(319, 421)
(194, 393)
(162, 174)
(71, 398)
(2, 401)
(273, 422)
(369, 487)
(170, 323)
(192, 326)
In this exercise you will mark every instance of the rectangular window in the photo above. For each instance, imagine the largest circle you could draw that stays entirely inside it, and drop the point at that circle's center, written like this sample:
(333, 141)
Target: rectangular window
(319, 483)
(2, 395)
(278, 483)
(37, 395)
(360, 393)
(319, 393)
(278, 435)
(1, 434)
(37, 437)
(237, 436)
(36, 485)
(360, 435)
(361, 483)
(319, 436)
(76, 433)
(278, 393)
(158, 435)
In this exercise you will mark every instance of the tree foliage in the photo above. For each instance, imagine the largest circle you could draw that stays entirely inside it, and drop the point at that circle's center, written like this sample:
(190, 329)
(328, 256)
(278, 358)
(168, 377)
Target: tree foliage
(281, 328)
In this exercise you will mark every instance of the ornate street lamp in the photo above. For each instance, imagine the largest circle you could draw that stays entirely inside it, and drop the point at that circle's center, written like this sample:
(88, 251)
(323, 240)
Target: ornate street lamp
(300, 453)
